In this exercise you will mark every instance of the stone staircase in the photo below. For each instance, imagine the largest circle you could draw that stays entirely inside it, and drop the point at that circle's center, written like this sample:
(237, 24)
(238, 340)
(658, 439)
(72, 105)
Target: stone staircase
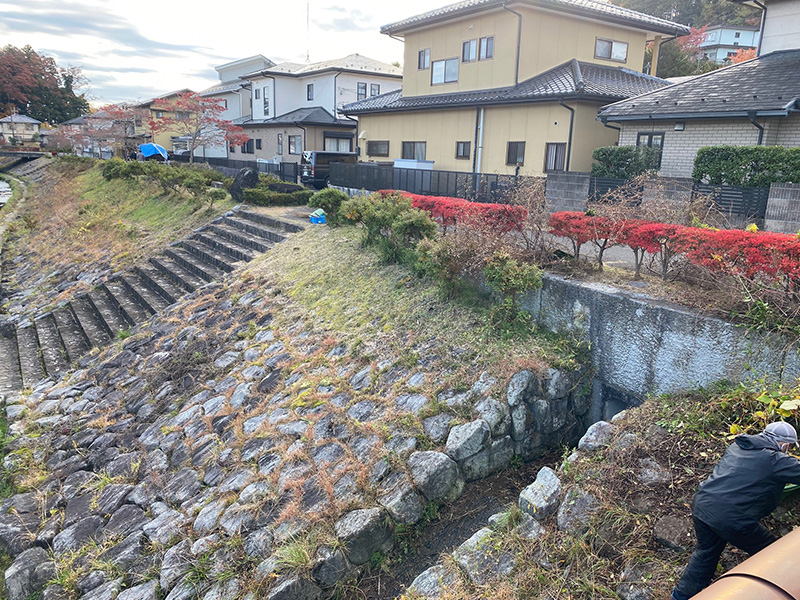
(48, 344)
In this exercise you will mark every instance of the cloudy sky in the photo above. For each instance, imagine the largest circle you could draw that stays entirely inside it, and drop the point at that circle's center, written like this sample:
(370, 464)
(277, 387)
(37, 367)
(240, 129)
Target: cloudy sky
(138, 49)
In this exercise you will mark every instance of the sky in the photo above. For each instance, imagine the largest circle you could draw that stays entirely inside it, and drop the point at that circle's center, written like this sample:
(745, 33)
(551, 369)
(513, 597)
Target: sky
(138, 49)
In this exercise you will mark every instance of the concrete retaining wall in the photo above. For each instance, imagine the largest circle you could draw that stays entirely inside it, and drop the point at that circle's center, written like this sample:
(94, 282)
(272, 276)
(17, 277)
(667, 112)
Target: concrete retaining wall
(642, 346)
(567, 191)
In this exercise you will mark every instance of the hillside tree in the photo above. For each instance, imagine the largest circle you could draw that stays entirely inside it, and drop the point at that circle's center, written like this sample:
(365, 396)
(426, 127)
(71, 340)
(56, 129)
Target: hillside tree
(198, 120)
(33, 84)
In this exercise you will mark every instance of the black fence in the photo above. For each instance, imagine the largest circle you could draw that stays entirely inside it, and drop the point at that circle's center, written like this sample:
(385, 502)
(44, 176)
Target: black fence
(600, 186)
(481, 187)
(286, 171)
(748, 204)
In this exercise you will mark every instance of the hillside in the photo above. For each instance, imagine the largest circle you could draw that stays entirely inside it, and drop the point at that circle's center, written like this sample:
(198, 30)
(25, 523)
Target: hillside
(319, 424)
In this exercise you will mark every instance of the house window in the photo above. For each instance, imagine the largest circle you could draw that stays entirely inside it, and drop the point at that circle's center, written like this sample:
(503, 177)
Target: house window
(444, 71)
(258, 94)
(310, 92)
(280, 144)
(737, 34)
(555, 156)
(266, 106)
(247, 148)
(258, 143)
(469, 51)
(224, 103)
(295, 144)
(611, 50)
(159, 114)
(486, 48)
(515, 155)
(652, 140)
(232, 149)
(374, 89)
(182, 116)
(424, 59)
(414, 150)
(338, 144)
(362, 90)
(462, 149)
(378, 148)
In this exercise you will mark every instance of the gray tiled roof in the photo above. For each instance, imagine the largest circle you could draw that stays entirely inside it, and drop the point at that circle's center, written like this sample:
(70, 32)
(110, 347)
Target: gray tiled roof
(315, 115)
(220, 88)
(573, 79)
(19, 119)
(766, 85)
(351, 62)
(598, 10)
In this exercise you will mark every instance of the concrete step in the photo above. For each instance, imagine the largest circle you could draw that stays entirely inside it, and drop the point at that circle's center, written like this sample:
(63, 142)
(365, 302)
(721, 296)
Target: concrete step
(72, 336)
(179, 275)
(10, 375)
(30, 356)
(109, 313)
(269, 221)
(228, 247)
(257, 229)
(90, 321)
(126, 303)
(160, 284)
(193, 264)
(209, 255)
(54, 356)
(241, 237)
(145, 297)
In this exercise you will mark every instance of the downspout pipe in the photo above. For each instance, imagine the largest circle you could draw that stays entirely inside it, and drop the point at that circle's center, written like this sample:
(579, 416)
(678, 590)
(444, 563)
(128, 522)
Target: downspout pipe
(752, 116)
(519, 40)
(763, 8)
(479, 133)
(571, 126)
(604, 121)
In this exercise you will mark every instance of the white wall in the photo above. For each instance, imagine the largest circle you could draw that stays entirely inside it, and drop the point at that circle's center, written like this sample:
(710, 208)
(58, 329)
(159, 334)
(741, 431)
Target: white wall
(781, 26)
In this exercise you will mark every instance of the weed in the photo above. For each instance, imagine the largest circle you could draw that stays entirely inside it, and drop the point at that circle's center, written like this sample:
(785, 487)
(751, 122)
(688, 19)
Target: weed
(123, 334)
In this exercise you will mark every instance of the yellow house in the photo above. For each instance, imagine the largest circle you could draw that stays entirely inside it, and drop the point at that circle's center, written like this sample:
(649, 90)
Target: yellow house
(493, 86)
(166, 138)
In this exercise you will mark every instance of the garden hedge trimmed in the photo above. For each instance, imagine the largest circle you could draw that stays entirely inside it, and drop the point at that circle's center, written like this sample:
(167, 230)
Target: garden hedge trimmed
(748, 166)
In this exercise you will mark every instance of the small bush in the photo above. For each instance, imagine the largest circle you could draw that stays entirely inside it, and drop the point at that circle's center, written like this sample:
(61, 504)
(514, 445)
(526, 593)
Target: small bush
(510, 278)
(749, 166)
(330, 200)
(624, 162)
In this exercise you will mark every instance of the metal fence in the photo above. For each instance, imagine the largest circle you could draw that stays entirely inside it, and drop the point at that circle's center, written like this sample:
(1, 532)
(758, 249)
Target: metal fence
(745, 204)
(286, 171)
(481, 187)
(600, 186)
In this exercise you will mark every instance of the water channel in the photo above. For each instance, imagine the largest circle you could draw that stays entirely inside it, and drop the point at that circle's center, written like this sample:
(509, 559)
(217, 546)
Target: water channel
(5, 192)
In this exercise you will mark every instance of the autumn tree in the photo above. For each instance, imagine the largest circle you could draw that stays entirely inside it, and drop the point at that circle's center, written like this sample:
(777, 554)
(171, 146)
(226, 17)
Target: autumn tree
(682, 56)
(743, 54)
(196, 119)
(33, 84)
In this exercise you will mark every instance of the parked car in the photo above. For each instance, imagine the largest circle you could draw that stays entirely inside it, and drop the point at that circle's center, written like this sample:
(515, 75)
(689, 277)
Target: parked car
(315, 166)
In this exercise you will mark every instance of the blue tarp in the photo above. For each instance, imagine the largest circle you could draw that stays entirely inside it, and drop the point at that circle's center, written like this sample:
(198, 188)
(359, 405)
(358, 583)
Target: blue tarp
(152, 149)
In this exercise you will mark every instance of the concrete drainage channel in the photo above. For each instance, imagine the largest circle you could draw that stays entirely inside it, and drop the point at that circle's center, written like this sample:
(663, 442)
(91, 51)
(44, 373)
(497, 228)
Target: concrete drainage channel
(46, 345)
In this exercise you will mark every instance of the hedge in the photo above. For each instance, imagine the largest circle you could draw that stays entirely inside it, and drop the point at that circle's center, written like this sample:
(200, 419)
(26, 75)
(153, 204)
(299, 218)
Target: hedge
(768, 257)
(262, 197)
(624, 162)
(749, 166)
(449, 211)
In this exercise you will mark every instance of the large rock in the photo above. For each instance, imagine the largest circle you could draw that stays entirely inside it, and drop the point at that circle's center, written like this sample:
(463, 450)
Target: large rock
(363, 532)
(495, 414)
(246, 178)
(468, 439)
(72, 538)
(434, 582)
(145, 591)
(482, 560)
(330, 565)
(398, 497)
(540, 499)
(636, 582)
(20, 582)
(519, 387)
(293, 587)
(576, 512)
(596, 437)
(436, 475)
(674, 532)
(652, 473)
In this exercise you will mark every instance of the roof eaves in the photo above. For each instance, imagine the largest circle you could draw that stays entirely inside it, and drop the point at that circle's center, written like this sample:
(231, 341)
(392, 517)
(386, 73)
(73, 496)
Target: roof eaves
(694, 115)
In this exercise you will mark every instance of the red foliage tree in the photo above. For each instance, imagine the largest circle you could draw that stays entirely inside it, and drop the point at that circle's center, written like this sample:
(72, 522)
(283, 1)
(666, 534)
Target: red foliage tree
(743, 54)
(198, 120)
(575, 226)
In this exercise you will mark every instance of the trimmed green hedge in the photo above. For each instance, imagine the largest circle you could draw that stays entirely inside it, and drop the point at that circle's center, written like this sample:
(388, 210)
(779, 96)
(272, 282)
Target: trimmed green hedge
(749, 166)
(262, 197)
(624, 162)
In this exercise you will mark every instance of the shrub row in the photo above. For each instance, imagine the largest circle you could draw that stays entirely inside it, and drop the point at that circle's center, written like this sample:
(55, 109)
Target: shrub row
(760, 256)
(624, 162)
(449, 211)
(169, 176)
(266, 197)
(750, 166)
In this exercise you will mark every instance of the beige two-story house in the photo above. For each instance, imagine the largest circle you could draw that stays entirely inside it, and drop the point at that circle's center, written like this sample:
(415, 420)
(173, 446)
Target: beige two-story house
(493, 86)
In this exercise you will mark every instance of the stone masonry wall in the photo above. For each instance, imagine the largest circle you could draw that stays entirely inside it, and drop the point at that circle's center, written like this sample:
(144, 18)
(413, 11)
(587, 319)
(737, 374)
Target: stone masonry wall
(783, 208)
(567, 191)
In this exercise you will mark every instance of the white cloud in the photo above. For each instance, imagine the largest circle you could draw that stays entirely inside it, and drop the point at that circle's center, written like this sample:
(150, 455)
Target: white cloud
(135, 50)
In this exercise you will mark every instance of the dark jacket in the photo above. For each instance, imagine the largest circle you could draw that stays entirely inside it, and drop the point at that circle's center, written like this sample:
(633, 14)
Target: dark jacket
(746, 484)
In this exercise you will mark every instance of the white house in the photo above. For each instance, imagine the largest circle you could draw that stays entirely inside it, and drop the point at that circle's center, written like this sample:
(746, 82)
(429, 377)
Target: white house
(721, 42)
(235, 93)
(296, 106)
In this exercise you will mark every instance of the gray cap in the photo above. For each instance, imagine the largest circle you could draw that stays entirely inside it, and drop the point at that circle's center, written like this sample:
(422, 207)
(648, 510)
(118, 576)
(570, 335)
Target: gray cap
(782, 432)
